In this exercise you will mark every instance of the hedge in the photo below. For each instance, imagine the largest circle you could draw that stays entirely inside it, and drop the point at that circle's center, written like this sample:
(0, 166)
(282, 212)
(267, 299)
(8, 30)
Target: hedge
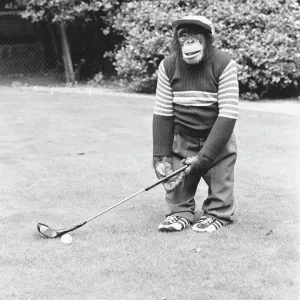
(262, 36)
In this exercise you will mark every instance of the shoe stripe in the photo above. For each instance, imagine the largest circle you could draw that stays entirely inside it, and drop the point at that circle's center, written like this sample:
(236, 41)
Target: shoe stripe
(181, 221)
(174, 223)
(188, 222)
(217, 224)
(207, 227)
(185, 221)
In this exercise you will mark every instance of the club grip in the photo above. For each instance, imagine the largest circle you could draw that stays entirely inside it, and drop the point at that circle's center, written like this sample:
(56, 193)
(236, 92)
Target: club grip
(166, 178)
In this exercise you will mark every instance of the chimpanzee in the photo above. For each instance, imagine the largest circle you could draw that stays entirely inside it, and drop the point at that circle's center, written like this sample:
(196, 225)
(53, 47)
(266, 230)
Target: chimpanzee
(195, 112)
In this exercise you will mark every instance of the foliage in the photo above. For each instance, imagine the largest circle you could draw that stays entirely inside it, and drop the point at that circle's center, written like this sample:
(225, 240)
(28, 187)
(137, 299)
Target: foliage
(263, 36)
(146, 28)
(88, 35)
(97, 80)
(64, 10)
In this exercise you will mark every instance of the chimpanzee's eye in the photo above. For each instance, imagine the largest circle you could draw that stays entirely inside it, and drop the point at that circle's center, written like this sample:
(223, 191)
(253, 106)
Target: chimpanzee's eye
(197, 36)
(182, 35)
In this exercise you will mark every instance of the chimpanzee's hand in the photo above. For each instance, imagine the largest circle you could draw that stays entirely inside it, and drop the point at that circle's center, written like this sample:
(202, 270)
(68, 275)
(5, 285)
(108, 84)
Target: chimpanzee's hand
(163, 167)
(198, 164)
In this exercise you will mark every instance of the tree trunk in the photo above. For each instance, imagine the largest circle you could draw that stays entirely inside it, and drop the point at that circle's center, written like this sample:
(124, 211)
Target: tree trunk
(70, 76)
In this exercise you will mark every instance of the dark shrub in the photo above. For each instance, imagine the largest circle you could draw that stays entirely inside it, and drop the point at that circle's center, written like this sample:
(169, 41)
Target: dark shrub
(263, 36)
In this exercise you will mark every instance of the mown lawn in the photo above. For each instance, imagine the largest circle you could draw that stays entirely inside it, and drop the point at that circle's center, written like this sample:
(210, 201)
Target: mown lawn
(66, 157)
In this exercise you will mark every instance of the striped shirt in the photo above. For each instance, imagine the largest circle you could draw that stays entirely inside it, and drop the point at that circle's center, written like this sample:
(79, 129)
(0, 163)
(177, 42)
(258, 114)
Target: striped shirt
(226, 97)
(191, 98)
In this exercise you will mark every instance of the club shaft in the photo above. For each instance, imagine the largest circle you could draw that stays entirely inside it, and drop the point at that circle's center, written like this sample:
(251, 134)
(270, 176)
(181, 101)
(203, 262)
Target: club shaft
(60, 232)
(137, 193)
(166, 178)
(115, 205)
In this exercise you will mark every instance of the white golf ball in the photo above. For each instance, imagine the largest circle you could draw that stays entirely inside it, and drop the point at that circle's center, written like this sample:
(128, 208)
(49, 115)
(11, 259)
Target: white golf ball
(66, 239)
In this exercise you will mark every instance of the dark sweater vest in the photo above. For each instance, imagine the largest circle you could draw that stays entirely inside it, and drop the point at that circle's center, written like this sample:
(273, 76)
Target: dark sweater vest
(204, 77)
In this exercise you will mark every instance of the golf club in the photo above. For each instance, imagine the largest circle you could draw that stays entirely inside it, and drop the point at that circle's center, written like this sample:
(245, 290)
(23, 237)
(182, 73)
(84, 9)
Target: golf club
(49, 232)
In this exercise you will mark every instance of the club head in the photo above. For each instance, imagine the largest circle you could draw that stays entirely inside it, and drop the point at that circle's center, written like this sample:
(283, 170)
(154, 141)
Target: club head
(48, 232)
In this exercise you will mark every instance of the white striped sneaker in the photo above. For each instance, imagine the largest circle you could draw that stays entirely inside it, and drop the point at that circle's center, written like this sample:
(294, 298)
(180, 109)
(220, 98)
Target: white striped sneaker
(207, 224)
(174, 223)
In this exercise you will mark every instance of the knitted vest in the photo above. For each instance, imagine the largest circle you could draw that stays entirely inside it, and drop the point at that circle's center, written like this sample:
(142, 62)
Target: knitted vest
(195, 118)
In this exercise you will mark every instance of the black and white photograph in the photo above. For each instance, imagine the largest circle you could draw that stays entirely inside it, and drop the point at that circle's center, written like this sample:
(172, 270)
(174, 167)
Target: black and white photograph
(149, 150)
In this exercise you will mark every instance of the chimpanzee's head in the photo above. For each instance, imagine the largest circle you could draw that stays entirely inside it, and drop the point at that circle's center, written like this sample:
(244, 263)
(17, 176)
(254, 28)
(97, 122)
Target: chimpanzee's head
(193, 38)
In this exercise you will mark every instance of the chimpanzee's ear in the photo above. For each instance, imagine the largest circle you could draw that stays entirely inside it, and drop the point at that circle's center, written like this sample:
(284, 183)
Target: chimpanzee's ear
(175, 45)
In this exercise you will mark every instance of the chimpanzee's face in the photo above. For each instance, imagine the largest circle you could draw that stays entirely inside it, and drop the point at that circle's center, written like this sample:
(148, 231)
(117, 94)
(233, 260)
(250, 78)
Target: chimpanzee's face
(192, 44)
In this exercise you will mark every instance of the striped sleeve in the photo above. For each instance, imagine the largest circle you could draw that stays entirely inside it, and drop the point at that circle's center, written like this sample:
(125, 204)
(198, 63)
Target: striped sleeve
(228, 100)
(228, 93)
(163, 119)
(164, 95)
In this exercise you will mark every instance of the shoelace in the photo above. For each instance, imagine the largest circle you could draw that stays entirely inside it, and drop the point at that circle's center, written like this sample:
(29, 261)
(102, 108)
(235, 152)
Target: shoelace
(173, 218)
(208, 221)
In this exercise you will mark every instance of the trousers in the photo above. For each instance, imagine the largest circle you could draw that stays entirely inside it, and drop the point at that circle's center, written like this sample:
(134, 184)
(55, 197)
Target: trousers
(220, 202)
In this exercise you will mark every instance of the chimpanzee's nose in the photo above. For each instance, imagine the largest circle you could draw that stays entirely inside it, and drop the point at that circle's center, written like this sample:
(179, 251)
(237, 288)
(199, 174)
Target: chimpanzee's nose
(190, 40)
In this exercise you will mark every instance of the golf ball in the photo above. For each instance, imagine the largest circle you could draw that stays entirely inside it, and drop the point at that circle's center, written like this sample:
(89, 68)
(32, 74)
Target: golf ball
(66, 239)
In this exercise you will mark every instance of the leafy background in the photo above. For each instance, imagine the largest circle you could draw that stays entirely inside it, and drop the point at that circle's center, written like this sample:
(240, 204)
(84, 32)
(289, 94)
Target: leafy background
(132, 37)
(262, 36)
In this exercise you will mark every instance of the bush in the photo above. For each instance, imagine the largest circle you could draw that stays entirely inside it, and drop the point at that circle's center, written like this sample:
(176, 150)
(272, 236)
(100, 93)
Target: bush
(262, 36)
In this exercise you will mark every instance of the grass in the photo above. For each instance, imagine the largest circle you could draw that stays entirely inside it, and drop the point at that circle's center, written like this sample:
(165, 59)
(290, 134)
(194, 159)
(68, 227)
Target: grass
(66, 157)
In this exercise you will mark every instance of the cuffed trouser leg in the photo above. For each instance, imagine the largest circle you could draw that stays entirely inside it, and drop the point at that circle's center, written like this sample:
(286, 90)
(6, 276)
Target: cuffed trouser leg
(220, 202)
(181, 201)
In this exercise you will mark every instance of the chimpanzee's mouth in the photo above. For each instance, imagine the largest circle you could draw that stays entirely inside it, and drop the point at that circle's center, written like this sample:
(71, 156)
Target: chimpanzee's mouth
(192, 53)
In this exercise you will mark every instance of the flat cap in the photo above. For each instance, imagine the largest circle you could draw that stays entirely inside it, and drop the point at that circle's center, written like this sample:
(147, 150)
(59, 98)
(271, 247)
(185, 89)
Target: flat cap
(201, 21)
